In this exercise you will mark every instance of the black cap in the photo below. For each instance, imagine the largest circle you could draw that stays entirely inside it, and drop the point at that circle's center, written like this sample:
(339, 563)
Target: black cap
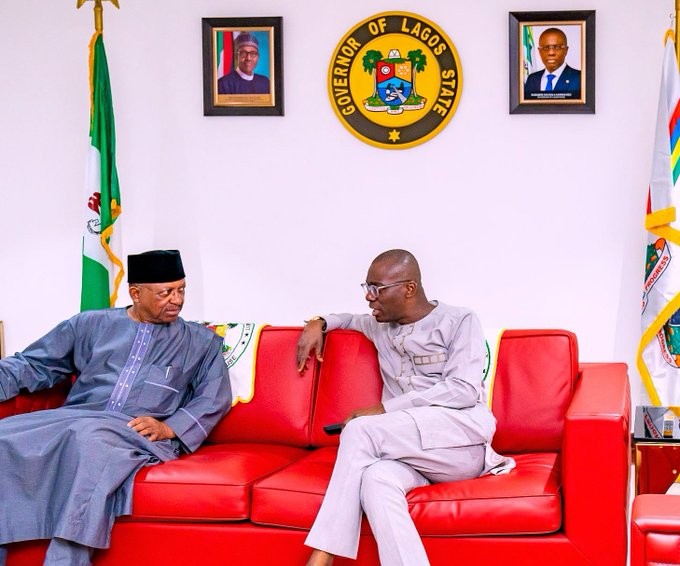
(157, 266)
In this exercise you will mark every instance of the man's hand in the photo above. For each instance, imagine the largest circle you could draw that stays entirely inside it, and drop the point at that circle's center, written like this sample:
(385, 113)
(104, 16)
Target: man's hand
(374, 410)
(152, 428)
(310, 340)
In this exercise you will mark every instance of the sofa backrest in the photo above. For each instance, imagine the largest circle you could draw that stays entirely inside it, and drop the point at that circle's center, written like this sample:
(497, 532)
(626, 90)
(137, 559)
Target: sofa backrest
(280, 410)
(349, 379)
(535, 377)
(536, 373)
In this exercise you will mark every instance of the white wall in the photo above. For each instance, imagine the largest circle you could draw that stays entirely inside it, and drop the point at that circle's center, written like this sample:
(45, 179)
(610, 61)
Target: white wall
(532, 220)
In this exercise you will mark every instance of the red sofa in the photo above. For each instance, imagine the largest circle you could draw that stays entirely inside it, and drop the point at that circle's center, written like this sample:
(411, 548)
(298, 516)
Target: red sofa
(251, 492)
(655, 530)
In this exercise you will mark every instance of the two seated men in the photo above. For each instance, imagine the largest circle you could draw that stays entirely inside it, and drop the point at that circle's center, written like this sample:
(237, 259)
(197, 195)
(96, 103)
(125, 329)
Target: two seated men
(151, 386)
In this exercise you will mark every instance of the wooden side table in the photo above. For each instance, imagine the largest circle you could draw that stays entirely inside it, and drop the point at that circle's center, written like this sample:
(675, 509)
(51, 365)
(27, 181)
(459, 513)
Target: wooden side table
(657, 464)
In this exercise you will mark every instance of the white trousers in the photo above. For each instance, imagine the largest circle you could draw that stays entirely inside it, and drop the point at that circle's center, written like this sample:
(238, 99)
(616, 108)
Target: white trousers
(379, 461)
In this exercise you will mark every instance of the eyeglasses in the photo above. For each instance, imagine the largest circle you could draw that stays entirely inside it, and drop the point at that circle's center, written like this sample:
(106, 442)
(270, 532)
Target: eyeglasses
(374, 290)
(248, 54)
(552, 47)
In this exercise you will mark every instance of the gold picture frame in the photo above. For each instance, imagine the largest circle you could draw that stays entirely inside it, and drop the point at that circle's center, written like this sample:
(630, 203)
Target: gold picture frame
(226, 92)
(531, 92)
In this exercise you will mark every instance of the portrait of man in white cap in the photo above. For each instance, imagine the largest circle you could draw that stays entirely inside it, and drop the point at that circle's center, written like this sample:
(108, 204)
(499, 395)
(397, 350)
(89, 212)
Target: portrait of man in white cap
(242, 79)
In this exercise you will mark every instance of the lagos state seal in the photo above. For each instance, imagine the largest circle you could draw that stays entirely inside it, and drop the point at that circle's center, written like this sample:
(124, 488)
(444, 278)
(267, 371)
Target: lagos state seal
(395, 80)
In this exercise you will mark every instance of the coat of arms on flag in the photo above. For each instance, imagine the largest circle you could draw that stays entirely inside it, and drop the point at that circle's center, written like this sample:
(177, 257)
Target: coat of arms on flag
(658, 259)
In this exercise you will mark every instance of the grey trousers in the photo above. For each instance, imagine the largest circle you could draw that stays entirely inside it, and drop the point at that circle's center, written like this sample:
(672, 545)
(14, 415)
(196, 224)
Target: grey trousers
(379, 461)
(60, 553)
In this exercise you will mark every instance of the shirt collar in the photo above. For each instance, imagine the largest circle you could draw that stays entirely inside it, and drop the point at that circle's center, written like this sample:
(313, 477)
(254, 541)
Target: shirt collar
(244, 76)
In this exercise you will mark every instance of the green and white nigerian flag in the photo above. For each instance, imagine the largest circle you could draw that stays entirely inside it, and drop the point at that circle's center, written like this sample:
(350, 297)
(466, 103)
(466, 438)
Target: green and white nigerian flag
(529, 53)
(659, 352)
(102, 269)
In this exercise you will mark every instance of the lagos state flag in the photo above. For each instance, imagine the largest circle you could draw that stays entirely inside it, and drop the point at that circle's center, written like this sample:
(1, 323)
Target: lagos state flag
(658, 357)
(102, 269)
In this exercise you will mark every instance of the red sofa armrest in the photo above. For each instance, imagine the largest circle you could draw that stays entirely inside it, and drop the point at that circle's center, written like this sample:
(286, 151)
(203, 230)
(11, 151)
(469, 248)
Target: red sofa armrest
(655, 529)
(27, 402)
(596, 460)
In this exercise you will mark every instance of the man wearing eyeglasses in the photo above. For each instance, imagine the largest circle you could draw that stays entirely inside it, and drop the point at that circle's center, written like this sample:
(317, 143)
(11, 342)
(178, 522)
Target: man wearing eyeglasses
(243, 79)
(558, 80)
(432, 424)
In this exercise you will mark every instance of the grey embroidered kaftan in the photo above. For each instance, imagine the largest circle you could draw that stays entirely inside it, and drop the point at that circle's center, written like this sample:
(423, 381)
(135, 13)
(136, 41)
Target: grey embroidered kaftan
(68, 472)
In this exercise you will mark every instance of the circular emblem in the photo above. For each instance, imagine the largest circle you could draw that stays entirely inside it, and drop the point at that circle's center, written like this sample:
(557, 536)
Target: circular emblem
(236, 337)
(94, 226)
(395, 80)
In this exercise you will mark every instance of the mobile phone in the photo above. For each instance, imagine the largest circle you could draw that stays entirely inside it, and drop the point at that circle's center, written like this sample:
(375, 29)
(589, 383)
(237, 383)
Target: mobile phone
(333, 428)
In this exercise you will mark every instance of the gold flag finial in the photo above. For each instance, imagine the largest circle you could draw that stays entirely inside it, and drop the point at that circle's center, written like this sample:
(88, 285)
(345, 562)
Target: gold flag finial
(99, 12)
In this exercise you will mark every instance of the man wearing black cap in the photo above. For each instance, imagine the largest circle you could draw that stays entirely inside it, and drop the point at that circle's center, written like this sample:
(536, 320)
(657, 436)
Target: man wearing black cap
(148, 386)
(243, 79)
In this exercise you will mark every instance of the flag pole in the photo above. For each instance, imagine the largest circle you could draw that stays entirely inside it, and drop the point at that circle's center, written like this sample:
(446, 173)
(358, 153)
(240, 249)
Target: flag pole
(99, 12)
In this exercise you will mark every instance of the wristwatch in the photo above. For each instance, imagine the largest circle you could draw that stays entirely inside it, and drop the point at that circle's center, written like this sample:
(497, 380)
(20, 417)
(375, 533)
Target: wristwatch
(323, 328)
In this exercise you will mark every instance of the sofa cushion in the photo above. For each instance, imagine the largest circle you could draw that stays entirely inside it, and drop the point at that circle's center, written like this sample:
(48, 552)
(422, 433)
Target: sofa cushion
(349, 378)
(292, 496)
(525, 501)
(212, 484)
(535, 378)
(279, 411)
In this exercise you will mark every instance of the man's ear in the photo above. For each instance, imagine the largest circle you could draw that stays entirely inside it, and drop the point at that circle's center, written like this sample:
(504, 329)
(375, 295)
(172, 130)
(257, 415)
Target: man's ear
(134, 293)
(411, 289)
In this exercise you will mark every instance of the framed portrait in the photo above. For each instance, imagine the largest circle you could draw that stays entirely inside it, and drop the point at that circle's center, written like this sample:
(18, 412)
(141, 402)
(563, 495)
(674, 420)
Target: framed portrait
(242, 66)
(552, 62)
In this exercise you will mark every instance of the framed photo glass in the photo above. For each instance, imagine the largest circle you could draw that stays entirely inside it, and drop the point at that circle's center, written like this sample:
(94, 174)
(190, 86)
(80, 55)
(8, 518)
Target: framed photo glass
(242, 66)
(552, 62)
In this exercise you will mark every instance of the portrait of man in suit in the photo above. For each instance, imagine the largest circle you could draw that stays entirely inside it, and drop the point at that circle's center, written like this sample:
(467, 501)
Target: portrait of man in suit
(242, 78)
(557, 80)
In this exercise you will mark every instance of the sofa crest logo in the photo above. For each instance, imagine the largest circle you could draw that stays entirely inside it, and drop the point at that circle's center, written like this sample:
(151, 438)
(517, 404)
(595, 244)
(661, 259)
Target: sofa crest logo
(395, 80)
(236, 338)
